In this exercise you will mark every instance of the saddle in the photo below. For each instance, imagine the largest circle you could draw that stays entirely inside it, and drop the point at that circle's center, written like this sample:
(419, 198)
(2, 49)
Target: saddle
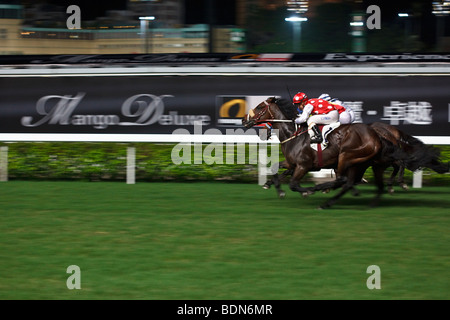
(325, 130)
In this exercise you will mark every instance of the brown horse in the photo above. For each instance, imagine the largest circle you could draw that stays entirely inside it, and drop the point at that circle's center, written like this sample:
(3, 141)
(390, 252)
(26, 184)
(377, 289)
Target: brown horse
(418, 154)
(352, 149)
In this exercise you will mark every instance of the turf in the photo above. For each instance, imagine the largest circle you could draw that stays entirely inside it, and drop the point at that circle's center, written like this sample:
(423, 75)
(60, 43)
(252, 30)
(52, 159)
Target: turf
(219, 241)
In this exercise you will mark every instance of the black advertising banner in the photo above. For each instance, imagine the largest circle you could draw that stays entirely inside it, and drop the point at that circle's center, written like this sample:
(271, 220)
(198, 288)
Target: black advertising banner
(215, 58)
(419, 105)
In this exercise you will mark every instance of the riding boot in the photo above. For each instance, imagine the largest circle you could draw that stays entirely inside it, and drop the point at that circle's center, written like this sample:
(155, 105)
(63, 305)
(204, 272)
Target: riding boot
(317, 135)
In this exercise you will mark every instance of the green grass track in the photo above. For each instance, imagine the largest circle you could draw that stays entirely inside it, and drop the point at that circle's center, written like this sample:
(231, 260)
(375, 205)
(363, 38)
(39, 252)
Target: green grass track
(219, 241)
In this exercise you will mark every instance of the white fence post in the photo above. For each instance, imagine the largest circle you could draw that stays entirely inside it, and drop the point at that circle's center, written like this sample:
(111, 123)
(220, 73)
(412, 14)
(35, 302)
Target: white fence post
(262, 164)
(417, 179)
(131, 165)
(3, 163)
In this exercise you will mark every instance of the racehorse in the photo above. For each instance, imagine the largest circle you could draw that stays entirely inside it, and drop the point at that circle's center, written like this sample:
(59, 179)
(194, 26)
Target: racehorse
(394, 135)
(352, 149)
(415, 155)
(419, 154)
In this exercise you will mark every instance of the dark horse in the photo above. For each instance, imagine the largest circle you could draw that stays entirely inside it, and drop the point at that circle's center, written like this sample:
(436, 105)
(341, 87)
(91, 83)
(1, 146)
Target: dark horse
(418, 154)
(352, 149)
(414, 154)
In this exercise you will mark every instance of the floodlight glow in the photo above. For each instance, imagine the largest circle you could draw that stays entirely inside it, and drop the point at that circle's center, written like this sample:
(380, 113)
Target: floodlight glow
(357, 24)
(403, 15)
(441, 9)
(295, 19)
(147, 18)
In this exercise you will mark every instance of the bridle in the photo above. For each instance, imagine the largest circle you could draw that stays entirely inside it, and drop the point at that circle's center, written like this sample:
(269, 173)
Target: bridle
(257, 117)
(257, 120)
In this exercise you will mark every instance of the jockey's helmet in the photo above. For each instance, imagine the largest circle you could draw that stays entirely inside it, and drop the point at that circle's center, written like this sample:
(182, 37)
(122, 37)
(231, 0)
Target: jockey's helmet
(300, 98)
(325, 96)
(337, 101)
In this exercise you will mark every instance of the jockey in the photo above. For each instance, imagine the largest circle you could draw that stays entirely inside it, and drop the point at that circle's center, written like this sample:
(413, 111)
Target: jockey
(347, 115)
(315, 111)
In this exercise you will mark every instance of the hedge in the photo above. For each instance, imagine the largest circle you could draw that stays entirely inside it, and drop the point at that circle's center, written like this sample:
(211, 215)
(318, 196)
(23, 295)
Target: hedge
(107, 161)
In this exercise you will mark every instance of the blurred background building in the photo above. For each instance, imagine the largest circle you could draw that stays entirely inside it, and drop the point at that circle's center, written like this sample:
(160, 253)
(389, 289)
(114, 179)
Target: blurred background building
(200, 26)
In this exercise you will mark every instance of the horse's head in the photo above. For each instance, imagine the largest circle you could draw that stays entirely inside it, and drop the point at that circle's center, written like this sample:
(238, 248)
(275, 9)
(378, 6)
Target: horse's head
(260, 113)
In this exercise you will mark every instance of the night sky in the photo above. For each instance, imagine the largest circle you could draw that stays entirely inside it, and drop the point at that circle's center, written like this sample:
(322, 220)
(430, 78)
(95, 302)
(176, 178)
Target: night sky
(196, 11)
(223, 12)
(90, 9)
(199, 11)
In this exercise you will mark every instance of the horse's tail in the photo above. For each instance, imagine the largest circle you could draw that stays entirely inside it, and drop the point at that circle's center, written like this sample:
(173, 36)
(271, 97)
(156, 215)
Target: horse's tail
(421, 155)
(426, 157)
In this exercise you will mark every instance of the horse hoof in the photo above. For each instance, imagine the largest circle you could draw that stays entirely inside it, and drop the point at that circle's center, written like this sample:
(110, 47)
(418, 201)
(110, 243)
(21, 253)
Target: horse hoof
(282, 194)
(391, 191)
(405, 186)
(266, 187)
(305, 194)
(326, 191)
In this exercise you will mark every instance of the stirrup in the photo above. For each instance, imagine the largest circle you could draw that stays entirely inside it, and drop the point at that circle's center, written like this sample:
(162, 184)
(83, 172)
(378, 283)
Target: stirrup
(316, 140)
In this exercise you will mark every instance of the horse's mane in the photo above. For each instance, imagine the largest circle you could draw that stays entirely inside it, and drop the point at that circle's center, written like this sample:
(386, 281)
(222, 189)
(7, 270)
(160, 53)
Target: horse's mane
(286, 108)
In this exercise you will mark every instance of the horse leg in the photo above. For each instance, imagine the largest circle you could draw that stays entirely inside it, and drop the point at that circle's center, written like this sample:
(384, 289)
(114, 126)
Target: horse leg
(298, 173)
(390, 183)
(346, 185)
(274, 179)
(329, 185)
(277, 178)
(358, 180)
(355, 192)
(280, 191)
(401, 176)
(274, 169)
(348, 177)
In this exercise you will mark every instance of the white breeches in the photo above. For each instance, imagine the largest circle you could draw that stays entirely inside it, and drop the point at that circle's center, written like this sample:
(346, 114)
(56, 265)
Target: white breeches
(345, 117)
(352, 114)
(330, 117)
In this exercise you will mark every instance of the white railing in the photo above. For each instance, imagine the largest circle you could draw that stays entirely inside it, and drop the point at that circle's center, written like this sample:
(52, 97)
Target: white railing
(263, 170)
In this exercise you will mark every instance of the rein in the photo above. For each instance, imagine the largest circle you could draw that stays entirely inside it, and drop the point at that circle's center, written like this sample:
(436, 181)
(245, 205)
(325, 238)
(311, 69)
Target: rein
(295, 135)
(273, 120)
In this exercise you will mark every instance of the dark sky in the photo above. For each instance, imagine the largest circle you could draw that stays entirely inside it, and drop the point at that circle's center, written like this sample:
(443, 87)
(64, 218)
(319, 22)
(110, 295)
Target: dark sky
(223, 12)
(201, 11)
(196, 11)
(90, 9)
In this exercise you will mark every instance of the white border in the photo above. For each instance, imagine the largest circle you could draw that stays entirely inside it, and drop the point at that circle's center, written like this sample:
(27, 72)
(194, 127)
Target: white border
(294, 70)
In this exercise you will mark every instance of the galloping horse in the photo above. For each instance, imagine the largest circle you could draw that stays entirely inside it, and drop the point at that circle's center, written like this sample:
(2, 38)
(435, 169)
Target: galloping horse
(419, 154)
(352, 149)
(393, 135)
